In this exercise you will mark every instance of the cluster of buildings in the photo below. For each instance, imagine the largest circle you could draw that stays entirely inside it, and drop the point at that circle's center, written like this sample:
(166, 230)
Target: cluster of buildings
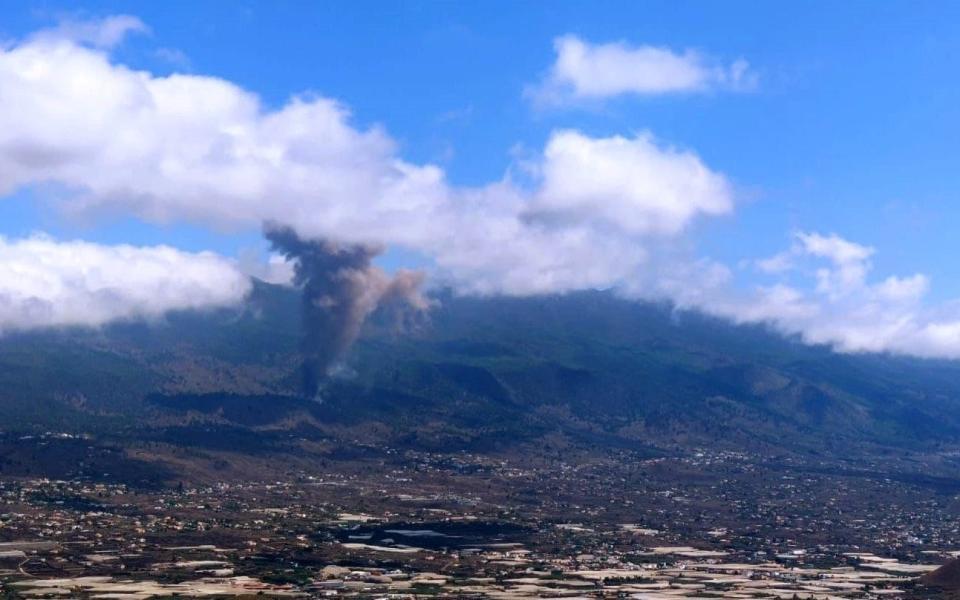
(405, 524)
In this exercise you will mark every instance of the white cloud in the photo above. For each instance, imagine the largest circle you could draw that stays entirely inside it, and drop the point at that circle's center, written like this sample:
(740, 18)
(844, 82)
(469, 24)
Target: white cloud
(841, 306)
(105, 32)
(585, 71)
(778, 263)
(276, 269)
(838, 250)
(850, 262)
(202, 149)
(45, 283)
(629, 184)
(903, 289)
(598, 212)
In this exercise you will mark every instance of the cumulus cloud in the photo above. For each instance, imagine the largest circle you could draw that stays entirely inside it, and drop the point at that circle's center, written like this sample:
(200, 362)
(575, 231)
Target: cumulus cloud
(105, 32)
(848, 262)
(186, 147)
(631, 184)
(823, 293)
(585, 71)
(46, 283)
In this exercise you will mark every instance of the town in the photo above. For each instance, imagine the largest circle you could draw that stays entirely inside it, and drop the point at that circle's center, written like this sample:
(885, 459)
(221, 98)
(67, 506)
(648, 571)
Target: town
(399, 524)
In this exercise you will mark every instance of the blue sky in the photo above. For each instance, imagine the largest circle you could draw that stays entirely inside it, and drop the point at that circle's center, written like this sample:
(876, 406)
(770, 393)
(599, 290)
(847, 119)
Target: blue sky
(850, 128)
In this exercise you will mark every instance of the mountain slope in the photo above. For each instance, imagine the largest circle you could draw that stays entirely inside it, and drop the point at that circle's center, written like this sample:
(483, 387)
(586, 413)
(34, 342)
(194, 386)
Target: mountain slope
(478, 374)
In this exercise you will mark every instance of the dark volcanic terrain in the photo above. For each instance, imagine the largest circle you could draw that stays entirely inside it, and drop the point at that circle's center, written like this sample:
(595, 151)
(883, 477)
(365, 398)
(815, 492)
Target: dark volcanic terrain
(584, 371)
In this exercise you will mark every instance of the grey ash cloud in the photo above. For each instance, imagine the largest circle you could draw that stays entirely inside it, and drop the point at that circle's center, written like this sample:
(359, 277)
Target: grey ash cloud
(341, 287)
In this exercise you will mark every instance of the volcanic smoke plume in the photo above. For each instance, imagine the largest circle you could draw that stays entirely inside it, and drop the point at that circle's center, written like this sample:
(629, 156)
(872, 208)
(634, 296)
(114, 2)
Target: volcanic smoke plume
(341, 288)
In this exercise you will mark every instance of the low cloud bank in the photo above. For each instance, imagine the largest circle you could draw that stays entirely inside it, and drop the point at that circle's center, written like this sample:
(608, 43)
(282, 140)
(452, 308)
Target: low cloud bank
(46, 283)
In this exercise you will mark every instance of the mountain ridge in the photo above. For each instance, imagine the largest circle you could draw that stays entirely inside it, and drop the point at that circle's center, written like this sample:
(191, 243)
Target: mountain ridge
(479, 374)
